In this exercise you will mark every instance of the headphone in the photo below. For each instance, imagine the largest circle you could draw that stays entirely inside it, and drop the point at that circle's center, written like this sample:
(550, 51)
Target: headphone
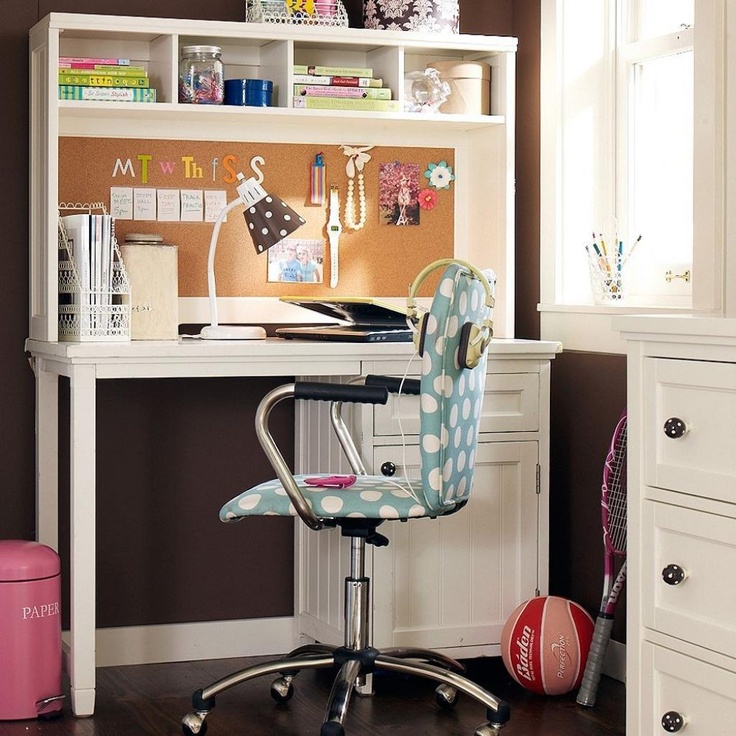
(474, 338)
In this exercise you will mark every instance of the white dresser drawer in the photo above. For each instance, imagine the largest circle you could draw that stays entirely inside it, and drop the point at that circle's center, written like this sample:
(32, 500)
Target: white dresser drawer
(704, 695)
(703, 396)
(700, 609)
(510, 404)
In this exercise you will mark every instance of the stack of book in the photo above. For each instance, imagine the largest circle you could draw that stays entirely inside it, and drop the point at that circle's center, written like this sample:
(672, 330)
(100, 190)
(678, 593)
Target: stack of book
(341, 88)
(88, 78)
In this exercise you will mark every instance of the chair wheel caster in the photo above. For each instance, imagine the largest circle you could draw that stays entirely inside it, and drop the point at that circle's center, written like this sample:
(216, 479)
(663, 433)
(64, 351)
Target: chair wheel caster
(282, 690)
(488, 729)
(332, 728)
(193, 724)
(445, 696)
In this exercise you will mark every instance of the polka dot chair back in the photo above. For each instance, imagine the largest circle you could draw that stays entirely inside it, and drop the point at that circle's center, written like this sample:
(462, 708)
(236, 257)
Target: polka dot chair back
(452, 396)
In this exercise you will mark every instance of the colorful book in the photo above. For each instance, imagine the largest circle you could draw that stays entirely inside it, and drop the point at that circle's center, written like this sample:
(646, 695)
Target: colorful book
(307, 90)
(107, 94)
(333, 71)
(103, 80)
(110, 71)
(337, 81)
(346, 103)
(76, 60)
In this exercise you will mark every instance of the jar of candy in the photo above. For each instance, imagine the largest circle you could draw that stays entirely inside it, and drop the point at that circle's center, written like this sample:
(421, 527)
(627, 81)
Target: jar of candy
(201, 78)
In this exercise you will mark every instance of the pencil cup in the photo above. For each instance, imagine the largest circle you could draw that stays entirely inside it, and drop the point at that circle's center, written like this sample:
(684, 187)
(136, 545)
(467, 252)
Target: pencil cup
(607, 279)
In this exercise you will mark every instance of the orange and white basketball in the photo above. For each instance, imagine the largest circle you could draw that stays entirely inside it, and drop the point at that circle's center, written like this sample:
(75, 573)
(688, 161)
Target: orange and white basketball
(544, 644)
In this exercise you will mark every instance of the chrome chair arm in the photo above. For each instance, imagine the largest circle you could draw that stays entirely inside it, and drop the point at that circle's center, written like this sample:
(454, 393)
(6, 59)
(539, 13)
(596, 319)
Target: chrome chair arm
(336, 393)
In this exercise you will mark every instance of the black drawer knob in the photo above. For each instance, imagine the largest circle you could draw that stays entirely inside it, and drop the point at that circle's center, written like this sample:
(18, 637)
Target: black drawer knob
(388, 468)
(672, 721)
(675, 428)
(673, 574)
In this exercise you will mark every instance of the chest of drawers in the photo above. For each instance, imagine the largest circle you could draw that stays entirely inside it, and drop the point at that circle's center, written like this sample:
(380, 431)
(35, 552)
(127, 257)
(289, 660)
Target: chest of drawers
(681, 628)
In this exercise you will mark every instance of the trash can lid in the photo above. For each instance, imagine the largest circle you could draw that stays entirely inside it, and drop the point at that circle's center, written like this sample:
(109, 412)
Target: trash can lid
(23, 560)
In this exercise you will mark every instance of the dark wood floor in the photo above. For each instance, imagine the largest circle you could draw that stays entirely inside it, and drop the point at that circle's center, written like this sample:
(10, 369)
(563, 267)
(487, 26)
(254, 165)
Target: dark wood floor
(151, 699)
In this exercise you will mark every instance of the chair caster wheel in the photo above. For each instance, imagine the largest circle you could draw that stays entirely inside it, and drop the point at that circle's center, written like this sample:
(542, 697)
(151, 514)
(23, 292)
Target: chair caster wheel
(332, 728)
(281, 689)
(488, 729)
(445, 696)
(193, 724)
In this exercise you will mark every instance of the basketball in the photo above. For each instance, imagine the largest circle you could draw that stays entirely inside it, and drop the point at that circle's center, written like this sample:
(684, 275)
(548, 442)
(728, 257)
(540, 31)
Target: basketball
(544, 644)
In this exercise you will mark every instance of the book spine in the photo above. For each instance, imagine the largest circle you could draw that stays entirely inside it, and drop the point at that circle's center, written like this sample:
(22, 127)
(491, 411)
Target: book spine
(110, 71)
(122, 94)
(336, 81)
(306, 90)
(333, 71)
(346, 103)
(76, 60)
(98, 80)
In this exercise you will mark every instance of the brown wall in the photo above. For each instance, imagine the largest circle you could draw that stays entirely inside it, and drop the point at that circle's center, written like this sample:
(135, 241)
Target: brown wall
(169, 452)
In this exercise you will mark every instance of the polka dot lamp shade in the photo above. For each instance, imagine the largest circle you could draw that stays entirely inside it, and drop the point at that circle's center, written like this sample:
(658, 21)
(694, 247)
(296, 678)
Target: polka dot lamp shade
(269, 218)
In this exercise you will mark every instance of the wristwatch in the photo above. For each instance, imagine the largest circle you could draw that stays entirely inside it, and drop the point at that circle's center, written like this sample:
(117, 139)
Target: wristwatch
(334, 229)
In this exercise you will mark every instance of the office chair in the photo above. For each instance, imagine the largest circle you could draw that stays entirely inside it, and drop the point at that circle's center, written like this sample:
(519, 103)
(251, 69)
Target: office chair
(451, 339)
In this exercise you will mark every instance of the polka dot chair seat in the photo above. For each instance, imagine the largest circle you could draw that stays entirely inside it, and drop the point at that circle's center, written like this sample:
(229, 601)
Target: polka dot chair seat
(450, 405)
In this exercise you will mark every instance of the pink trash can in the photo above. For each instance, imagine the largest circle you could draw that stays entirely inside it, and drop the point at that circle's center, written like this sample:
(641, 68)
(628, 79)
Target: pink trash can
(30, 631)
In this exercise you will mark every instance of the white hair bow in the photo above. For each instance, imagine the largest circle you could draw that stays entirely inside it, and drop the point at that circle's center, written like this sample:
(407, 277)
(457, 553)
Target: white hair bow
(357, 158)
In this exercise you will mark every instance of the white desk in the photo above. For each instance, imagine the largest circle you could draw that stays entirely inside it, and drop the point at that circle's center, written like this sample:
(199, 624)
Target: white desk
(86, 363)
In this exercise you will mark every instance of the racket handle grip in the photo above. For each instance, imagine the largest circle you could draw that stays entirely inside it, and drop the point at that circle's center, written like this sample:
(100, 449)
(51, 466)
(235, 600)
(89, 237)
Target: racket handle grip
(594, 664)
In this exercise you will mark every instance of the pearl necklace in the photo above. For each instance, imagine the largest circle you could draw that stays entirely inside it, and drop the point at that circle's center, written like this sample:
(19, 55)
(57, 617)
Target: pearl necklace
(357, 158)
(350, 203)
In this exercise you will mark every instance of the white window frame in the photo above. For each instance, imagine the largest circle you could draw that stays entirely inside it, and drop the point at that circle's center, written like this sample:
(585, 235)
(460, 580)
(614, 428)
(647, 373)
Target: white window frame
(587, 327)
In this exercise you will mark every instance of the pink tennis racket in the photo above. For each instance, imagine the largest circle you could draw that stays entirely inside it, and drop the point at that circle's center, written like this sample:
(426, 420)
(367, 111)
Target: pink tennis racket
(613, 514)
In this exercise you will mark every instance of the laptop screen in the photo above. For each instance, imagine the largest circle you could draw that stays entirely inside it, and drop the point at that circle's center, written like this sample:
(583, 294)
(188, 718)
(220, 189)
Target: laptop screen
(359, 311)
(368, 320)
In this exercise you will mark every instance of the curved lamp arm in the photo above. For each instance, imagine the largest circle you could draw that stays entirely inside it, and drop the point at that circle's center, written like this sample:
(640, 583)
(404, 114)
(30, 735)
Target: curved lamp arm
(211, 290)
(248, 192)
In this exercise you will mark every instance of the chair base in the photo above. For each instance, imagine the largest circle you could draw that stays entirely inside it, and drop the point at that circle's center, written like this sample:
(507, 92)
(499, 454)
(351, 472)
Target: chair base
(352, 665)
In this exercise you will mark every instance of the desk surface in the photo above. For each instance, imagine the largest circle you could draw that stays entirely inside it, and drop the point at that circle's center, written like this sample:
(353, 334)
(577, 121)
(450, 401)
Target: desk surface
(273, 356)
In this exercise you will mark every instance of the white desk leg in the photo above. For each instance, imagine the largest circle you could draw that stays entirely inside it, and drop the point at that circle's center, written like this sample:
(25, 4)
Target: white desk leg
(47, 457)
(81, 666)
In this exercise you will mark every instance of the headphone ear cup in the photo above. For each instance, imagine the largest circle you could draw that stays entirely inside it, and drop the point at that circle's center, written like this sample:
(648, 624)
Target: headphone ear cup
(420, 335)
(472, 345)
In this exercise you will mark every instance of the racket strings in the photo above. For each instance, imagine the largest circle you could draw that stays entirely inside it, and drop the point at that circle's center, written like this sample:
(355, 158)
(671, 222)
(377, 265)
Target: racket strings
(614, 491)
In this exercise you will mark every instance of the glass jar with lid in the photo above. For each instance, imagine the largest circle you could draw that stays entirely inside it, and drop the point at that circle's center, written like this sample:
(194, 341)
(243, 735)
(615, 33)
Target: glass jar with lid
(201, 78)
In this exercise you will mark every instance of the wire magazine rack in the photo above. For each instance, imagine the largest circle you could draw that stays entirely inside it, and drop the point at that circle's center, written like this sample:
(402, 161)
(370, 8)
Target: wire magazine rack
(326, 13)
(91, 310)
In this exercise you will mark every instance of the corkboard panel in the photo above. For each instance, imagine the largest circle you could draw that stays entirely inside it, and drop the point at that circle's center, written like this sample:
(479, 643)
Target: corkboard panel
(379, 260)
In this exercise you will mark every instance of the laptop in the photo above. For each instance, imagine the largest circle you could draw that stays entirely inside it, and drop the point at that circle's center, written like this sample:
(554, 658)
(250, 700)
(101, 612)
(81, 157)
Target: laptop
(363, 319)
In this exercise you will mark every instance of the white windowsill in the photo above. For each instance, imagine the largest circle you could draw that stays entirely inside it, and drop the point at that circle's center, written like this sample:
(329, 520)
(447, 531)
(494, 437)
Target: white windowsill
(587, 327)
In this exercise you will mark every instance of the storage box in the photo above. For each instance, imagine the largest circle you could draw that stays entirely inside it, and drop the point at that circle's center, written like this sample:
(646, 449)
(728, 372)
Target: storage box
(470, 86)
(94, 293)
(152, 268)
(410, 15)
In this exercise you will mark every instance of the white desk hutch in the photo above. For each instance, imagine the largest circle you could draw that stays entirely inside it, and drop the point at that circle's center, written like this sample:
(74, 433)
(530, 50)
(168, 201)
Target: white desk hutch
(498, 547)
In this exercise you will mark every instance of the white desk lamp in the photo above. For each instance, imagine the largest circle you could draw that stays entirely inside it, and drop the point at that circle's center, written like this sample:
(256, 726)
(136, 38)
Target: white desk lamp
(269, 221)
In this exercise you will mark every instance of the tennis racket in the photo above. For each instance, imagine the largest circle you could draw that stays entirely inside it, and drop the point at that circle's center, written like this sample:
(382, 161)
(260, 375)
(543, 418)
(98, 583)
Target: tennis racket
(613, 515)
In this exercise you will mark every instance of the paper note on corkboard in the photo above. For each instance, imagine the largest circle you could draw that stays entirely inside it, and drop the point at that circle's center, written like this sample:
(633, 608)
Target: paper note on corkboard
(379, 260)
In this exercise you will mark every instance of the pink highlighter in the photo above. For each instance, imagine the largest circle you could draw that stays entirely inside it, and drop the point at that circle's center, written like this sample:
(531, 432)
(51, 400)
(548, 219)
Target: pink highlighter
(332, 481)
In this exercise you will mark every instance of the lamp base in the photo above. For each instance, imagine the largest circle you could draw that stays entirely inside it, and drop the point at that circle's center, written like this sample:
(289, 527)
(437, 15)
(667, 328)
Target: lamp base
(232, 332)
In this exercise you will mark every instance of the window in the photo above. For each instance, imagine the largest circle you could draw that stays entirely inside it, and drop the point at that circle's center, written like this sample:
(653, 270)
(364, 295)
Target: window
(617, 152)
(637, 133)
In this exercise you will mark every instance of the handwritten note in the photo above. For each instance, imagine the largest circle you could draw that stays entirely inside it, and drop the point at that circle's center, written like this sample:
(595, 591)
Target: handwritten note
(192, 205)
(168, 205)
(144, 204)
(121, 202)
(215, 201)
